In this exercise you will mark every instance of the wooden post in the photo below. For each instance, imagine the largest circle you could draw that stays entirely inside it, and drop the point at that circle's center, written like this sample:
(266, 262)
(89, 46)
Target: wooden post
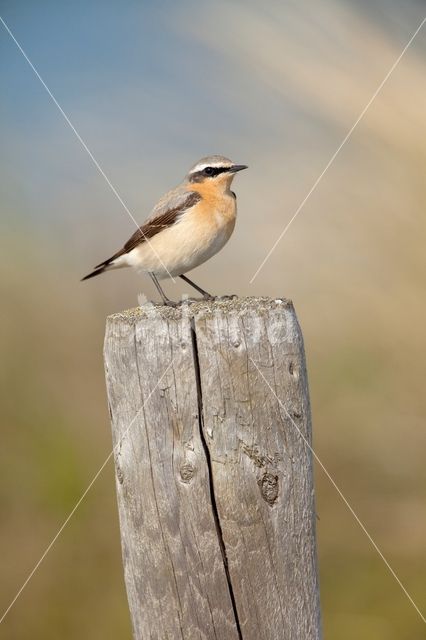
(214, 479)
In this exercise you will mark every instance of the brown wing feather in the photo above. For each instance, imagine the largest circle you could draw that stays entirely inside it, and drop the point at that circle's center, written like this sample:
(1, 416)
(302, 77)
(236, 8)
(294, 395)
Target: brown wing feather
(154, 226)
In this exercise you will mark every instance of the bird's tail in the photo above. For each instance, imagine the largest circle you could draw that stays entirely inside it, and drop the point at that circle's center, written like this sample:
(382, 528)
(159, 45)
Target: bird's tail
(96, 272)
(100, 268)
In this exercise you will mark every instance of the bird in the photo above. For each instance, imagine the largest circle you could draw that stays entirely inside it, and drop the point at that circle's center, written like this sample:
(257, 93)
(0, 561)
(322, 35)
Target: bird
(187, 226)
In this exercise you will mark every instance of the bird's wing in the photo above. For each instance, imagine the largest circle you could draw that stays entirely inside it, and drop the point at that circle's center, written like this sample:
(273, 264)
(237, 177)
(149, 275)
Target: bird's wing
(175, 199)
(165, 214)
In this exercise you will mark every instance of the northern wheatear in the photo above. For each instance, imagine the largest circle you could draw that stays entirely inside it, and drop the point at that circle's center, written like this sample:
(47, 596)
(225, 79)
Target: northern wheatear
(189, 225)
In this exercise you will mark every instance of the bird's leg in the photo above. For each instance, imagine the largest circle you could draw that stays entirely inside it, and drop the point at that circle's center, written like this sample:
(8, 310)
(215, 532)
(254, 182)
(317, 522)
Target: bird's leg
(205, 295)
(164, 298)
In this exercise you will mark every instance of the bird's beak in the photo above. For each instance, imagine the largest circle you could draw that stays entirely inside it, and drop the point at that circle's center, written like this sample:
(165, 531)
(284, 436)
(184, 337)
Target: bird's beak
(237, 167)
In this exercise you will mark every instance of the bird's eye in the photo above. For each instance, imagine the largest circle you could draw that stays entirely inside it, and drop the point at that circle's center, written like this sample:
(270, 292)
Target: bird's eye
(209, 171)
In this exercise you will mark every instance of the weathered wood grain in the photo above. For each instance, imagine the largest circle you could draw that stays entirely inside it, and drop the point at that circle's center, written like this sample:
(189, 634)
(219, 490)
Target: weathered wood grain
(252, 369)
(216, 506)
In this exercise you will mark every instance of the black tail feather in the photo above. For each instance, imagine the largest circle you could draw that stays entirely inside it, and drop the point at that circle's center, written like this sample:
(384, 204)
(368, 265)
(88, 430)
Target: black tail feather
(96, 272)
(105, 263)
(100, 268)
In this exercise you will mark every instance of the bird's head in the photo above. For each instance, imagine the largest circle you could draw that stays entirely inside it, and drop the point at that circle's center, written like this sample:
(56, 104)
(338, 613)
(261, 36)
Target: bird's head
(215, 170)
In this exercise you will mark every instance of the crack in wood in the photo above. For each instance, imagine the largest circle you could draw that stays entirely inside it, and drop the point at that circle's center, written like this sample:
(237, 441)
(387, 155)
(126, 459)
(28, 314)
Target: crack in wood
(210, 478)
(215, 480)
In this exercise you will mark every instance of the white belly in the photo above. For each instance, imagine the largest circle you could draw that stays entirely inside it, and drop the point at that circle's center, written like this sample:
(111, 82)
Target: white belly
(182, 247)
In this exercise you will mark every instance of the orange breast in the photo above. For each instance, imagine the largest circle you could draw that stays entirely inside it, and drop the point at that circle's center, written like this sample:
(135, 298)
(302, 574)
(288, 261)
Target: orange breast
(216, 208)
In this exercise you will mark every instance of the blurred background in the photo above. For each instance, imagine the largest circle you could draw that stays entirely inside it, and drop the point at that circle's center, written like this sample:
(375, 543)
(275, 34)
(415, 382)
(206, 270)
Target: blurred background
(151, 87)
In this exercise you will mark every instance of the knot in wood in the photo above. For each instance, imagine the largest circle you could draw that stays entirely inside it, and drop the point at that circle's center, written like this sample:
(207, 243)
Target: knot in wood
(187, 472)
(268, 485)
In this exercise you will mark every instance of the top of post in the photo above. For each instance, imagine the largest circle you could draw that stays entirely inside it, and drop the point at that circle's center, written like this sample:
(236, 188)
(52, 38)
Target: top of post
(192, 308)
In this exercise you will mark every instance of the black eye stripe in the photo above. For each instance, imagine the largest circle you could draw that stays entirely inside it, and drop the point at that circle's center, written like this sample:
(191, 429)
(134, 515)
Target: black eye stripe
(214, 171)
(207, 172)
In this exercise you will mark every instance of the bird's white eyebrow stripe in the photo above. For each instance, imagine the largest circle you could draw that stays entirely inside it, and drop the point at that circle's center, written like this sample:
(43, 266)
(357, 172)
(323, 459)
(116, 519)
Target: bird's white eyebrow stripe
(215, 165)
